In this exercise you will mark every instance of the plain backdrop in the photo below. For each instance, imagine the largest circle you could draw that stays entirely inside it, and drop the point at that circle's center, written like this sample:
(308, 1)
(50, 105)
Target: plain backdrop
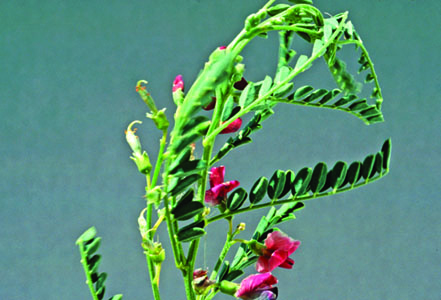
(67, 75)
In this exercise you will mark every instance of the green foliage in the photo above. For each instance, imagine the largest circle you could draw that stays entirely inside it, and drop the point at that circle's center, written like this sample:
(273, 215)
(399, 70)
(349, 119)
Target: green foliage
(186, 208)
(307, 96)
(88, 244)
(185, 176)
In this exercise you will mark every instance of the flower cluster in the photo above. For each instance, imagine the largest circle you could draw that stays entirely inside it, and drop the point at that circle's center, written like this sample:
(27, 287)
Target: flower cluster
(273, 253)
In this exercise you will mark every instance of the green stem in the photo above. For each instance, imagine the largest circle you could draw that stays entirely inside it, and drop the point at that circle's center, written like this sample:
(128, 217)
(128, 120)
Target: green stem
(293, 199)
(188, 279)
(87, 271)
(224, 251)
(154, 284)
(178, 255)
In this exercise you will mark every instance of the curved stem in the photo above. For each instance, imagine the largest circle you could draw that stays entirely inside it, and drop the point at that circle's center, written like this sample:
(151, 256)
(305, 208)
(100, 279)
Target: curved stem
(275, 87)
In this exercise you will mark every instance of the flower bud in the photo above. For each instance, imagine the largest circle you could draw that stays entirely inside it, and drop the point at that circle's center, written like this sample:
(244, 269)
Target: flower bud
(241, 227)
(201, 283)
(142, 161)
(178, 90)
(160, 119)
(140, 158)
(178, 84)
(132, 139)
(154, 251)
(228, 287)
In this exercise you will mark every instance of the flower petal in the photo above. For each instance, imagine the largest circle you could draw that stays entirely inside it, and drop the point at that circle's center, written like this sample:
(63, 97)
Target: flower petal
(255, 285)
(262, 265)
(178, 84)
(217, 176)
(287, 264)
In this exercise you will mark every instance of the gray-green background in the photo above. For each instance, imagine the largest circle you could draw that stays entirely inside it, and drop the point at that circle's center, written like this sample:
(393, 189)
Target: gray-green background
(67, 76)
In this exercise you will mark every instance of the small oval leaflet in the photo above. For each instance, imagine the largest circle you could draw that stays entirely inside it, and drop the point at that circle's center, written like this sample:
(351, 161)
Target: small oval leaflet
(94, 263)
(258, 190)
(186, 211)
(236, 199)
(301, 182)
(247, 96)
(190, 234)
(338, 174)
(367, 166)
(191, 231)
(92, 246)
(318, 178)
(101, 279)
(386, 150)
(378, 165)
(302, 92)
(183, 183)
(87, 235)
(276, 184)
(353, 174)
(186, 198)
(289, 181)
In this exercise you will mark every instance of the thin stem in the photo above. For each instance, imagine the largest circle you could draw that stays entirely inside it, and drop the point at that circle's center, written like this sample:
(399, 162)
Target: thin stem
(178, 255)
(371, 66)
(153, 282)
(224, 251)
(293, 199)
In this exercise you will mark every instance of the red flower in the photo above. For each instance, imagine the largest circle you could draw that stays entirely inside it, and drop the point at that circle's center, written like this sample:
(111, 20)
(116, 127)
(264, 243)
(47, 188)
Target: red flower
(218, 188)
(233, 127)
(278, 247)
(258, 286)
(178, 84)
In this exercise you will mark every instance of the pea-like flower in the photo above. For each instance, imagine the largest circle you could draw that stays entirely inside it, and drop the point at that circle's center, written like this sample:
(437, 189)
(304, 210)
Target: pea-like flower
(258, 286)
(218, 188)
(278, 248)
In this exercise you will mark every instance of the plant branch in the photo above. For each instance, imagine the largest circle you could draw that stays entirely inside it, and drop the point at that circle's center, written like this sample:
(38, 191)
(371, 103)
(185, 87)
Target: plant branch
(294, 199)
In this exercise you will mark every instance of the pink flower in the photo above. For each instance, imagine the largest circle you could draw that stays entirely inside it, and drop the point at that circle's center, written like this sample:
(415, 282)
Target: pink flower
(258, 286)
(222, 47)
(218, 188)
(233, 127)
(278, 247)
(178, 84)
